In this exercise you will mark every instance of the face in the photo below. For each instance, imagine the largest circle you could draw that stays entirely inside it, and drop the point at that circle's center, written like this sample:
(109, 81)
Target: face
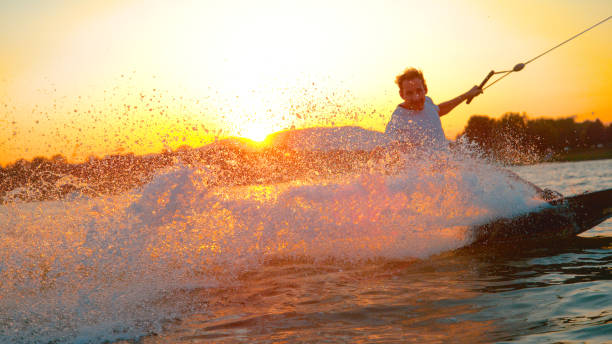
(413, 93)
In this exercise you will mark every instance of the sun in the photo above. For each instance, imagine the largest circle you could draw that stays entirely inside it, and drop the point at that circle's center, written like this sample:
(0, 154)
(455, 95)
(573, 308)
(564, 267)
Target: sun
(256, 133)
(255, 116)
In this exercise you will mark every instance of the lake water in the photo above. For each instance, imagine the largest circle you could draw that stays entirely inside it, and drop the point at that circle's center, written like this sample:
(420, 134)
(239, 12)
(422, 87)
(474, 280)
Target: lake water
(366, 258)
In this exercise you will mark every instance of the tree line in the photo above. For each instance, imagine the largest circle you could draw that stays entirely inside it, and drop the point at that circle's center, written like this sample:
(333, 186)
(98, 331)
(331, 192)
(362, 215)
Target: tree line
(509, 139)
(542, 136)
(228, 163)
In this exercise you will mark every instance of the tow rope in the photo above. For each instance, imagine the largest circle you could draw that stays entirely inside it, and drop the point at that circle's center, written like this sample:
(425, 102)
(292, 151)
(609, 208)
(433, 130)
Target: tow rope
(520, 66)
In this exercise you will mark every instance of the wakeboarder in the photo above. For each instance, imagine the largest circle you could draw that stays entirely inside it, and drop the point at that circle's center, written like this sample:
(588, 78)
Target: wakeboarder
(416, 121)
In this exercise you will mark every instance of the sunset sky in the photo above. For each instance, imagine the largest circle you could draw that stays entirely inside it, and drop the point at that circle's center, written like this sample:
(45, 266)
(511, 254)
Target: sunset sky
(83, 78)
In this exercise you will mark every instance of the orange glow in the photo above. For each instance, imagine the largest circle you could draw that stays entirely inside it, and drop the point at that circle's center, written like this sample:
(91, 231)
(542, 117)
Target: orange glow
(69, 73)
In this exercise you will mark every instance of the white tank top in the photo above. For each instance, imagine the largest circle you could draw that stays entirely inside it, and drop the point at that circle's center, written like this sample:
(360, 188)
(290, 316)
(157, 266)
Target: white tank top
(418, 128)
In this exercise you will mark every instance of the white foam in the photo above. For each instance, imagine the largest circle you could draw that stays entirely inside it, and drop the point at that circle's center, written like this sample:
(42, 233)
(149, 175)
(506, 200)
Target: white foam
(96, 269)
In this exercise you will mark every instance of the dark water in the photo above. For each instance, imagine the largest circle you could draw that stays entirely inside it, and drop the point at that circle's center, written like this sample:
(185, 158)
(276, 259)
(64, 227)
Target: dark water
(368, 257)
(531, 295)
(536, 294)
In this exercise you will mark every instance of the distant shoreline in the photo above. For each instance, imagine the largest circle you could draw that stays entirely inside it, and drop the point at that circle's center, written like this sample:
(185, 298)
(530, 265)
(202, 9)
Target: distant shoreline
(583, 154)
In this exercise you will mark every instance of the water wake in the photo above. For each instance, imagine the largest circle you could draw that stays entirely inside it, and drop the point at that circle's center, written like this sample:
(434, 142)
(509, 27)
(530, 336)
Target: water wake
(95, 269)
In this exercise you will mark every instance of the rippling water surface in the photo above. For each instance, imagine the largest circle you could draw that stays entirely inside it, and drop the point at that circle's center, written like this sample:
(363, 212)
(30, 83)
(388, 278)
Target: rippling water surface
(366, 257)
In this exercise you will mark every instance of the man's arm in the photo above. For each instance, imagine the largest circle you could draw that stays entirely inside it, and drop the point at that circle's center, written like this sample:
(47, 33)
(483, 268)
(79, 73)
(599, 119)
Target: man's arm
(447, 106)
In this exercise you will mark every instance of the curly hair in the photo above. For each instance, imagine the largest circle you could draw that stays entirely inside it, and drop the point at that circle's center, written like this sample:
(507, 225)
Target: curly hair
(409, 74)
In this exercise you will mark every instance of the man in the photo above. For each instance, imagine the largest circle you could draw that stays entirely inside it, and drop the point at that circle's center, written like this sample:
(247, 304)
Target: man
(416, 121)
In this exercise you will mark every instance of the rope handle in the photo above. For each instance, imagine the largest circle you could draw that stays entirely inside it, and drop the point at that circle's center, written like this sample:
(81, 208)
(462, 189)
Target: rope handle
(491, 73)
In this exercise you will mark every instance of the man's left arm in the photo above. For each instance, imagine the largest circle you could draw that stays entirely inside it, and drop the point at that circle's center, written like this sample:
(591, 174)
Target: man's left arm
(447, 106)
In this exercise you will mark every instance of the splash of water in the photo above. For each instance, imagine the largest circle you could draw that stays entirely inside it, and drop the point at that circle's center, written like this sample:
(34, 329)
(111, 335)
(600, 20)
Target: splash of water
(96, 269)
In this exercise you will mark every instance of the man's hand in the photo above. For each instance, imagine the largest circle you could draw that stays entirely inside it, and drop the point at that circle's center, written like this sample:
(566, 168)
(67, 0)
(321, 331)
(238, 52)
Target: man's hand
(473, 92)
(446, 107)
